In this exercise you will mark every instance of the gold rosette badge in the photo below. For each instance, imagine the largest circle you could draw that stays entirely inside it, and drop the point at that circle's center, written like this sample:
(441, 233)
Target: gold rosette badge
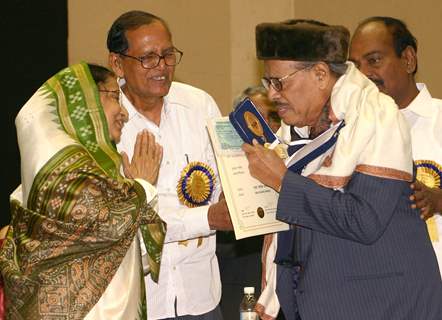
(429, 173)
(196, 184)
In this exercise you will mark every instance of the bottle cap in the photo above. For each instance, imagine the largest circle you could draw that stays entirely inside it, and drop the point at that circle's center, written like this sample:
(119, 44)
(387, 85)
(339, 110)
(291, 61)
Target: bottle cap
(249, 290)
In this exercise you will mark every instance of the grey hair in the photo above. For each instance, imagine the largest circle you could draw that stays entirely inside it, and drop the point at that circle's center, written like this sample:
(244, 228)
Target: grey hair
(337, 68)
(248, 93)
(116, 37)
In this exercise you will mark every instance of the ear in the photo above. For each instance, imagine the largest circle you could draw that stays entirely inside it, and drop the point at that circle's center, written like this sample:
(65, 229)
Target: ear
(115, 64)
(410, 58)
(322, 74)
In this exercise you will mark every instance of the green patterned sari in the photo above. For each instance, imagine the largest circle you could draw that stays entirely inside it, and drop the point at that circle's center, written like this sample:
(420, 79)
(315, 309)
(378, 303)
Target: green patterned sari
(72, 249)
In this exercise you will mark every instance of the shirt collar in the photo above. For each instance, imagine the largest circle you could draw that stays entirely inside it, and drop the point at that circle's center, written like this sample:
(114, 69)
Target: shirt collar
(422, 105)
(131, 111)
(175, 96)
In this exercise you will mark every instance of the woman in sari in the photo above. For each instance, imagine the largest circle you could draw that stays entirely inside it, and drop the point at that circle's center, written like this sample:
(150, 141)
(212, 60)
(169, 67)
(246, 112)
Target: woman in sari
(73, 246)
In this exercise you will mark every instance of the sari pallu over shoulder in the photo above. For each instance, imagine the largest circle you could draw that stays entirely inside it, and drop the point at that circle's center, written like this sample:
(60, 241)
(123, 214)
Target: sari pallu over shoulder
(80, 221)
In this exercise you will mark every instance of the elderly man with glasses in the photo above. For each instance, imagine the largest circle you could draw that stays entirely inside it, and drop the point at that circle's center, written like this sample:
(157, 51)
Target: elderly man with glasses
(143, 56)
(356, 249)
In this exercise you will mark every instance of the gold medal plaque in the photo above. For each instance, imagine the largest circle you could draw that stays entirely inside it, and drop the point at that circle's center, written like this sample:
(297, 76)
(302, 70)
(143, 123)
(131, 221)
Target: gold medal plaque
(254, 125)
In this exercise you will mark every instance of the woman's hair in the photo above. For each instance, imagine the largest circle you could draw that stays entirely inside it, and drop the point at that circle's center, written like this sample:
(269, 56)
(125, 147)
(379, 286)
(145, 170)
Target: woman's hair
(99, 73)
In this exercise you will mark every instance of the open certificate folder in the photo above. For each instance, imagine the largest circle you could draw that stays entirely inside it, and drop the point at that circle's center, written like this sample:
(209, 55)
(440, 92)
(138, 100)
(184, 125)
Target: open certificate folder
(252, 205)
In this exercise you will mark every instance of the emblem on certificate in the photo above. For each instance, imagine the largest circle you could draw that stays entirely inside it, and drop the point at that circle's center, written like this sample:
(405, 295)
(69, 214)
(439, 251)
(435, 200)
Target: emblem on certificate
(260, 212)
(430, 174)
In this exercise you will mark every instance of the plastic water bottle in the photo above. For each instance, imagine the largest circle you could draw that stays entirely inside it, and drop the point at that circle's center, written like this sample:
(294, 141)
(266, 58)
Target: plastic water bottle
(247, 306)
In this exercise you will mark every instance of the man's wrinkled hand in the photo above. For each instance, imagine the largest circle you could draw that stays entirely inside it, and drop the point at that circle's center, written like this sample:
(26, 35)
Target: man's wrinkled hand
(219, 217)
(265, 165)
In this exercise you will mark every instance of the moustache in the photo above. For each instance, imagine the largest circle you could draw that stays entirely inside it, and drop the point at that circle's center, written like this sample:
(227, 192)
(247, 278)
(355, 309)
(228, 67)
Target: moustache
(378, 82)
(278, 103)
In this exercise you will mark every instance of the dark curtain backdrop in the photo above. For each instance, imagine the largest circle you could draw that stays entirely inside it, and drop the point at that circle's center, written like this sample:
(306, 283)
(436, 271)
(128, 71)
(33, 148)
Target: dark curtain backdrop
(33, 48)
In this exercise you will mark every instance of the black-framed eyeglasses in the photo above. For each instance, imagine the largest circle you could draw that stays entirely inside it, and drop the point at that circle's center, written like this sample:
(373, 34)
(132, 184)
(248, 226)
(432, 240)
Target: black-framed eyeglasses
(152, 60)
(276, 83)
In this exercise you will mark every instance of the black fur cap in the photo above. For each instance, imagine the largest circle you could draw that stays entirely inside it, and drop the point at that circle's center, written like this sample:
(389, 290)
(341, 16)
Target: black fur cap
(302, 40)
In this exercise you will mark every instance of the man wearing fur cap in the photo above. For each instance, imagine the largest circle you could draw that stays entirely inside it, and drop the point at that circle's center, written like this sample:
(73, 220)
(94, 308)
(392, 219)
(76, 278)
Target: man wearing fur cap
(356, 249)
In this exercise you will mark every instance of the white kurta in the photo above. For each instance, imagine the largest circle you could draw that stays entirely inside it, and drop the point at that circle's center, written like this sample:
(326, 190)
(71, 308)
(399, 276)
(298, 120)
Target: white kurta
(189, 269)
(424, 114)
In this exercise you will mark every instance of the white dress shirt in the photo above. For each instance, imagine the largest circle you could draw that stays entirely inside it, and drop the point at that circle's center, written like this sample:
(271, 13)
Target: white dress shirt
(424, 114)
(189, 272)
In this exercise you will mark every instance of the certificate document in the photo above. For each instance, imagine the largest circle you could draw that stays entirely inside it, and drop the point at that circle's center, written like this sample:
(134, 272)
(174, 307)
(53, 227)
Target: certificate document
(252, 205)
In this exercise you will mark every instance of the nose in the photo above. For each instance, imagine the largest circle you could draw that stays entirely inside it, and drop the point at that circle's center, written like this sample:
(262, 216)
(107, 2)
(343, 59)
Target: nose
(272, 94)
(162, 63)
(364, 68)
(124, 114)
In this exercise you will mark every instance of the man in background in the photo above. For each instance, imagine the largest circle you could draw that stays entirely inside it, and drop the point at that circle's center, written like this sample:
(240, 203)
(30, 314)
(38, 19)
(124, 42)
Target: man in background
(386, 52)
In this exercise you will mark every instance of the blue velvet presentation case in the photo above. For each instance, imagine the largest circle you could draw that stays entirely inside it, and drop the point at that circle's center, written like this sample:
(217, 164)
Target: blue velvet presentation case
(250, 124)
